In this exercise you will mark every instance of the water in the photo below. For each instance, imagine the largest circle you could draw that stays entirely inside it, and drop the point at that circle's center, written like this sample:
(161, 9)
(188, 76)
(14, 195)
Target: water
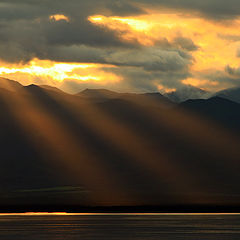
(120, 226)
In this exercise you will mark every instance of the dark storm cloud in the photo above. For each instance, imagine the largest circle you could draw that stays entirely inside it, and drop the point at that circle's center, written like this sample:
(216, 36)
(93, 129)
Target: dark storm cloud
(124, 8)
(177, 43)
(233, 72)
(216, 9)
(27, 32)
(229, 77)
(144, 81)
(81, 32)
(26, 9)
(23, 40)
(185, 43)
(212, 8)
(152, 59)
(80, 41)
(10, 12)
(76, 53)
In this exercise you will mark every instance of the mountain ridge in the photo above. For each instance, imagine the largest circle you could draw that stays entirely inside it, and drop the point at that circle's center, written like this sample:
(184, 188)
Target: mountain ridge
(103, 150)
(180, 95)
(187, 92)
(230, 93)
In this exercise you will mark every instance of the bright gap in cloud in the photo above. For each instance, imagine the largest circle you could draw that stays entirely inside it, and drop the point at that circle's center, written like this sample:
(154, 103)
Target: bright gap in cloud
(136, 24)
(61, 71)
(58, 17)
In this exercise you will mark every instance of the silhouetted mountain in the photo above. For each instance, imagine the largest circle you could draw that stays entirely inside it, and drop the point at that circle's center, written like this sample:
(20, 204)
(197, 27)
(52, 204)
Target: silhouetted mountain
(155, 96)
(32, 87)
(187, 92)
(103, 95)
(98, 94)
(9, 85)
(232, 94)
(47, 87)
(222, 110)
(57, 148)
(211, 104)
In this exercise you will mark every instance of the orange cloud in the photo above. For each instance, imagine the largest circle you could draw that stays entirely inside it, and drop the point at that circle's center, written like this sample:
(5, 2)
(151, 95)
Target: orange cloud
(201, 83)
(164, 89)
(58, 17)
(214, 51)
(129, 29)
(217, 46)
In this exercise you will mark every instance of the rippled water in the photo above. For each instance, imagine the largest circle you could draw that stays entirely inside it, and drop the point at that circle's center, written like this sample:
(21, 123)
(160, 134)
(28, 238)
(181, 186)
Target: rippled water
(120, 226)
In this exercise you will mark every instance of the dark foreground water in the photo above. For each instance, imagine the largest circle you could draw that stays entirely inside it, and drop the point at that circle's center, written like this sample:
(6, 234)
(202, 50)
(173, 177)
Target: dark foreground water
(130, 226)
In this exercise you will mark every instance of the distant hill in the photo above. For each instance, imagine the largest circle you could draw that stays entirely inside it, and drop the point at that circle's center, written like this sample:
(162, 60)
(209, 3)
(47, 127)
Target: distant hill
(103, 95)
(231, 94)
(98, 94)
(47, 87)
(219, 109)
(186, 92)
(9, 85)
(155, 96)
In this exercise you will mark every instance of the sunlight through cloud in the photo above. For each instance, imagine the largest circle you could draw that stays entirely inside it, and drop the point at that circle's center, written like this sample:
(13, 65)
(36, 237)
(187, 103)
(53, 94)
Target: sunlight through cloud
(58, 17)
(61, 71)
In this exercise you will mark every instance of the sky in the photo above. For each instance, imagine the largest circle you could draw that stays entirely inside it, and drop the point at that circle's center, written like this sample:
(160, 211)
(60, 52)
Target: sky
(121, 45)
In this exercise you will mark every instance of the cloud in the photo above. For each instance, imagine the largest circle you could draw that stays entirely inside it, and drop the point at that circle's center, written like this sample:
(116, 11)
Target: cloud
(214, 9)
(76, 53)
(233, 72)
(140, 70)
(145, 81)
(152, 59)
(185, 43)
(168, 56)
(133, 79)
(124, 8)
(27, 32)
(238, 52)
(220, 79)
(229, 37)
(31, 33)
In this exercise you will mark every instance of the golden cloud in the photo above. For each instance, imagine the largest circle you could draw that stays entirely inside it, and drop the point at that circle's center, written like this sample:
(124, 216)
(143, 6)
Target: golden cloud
(58, 17)
(214, 52)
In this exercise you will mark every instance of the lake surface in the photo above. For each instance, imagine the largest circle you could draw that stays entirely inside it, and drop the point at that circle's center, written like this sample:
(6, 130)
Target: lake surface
(120, 226)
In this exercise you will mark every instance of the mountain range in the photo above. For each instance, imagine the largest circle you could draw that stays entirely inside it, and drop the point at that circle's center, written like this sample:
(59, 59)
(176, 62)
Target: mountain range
(187, 92)
(99, 147)
(232, 94)
(180, 95)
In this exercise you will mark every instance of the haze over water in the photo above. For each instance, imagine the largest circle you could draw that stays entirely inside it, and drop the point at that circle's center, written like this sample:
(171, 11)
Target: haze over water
(121, 226)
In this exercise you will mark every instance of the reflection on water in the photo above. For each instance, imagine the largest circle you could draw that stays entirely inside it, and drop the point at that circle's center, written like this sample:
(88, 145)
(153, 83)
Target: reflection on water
(121, 226)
